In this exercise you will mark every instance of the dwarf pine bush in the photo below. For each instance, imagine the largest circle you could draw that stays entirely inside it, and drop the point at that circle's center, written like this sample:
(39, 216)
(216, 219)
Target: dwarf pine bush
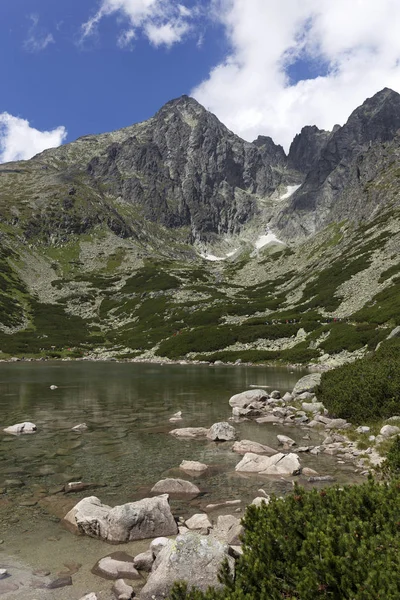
(337, 544)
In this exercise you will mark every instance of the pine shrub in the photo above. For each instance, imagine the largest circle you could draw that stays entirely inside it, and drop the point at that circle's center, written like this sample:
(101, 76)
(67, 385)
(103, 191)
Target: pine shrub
(336, 544)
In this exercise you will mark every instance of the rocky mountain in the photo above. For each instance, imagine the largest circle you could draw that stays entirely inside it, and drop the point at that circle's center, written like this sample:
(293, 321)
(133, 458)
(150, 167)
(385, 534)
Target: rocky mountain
(306, 148)
(176, 238)
(334, 188)
(181, 169)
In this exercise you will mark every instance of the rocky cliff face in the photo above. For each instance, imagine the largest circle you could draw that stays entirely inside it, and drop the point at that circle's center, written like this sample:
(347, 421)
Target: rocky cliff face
(334, 187)
(187, 169)
(306, 148)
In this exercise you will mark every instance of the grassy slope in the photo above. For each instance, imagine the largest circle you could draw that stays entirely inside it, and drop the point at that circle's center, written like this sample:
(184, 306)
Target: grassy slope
(139, 299)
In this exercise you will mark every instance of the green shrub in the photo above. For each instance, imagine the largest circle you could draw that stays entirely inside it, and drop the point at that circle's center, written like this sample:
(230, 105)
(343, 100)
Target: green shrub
(392, 462)
(383, 308)
(336, 544)
(150, 278)
(344, 336)
(365, 390)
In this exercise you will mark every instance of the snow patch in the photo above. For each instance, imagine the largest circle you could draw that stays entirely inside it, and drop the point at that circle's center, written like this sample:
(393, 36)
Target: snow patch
(268, 238)
(290, 190)
(214, 258)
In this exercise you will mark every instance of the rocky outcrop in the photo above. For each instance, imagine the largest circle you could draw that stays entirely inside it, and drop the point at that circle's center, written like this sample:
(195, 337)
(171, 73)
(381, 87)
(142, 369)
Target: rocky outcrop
(346, 164)
(147, 518)
(193, 558)
(306, 148)
(183, 167)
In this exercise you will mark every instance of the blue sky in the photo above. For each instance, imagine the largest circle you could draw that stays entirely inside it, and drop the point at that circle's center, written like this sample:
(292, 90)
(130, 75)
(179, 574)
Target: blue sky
(94, 85)
(73, 67)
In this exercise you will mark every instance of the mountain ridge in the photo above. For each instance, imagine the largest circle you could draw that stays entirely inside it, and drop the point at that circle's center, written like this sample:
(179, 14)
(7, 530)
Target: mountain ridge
(102, 241)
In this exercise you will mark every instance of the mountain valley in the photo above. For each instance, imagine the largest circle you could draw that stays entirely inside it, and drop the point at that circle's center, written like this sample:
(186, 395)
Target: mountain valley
(176, 239)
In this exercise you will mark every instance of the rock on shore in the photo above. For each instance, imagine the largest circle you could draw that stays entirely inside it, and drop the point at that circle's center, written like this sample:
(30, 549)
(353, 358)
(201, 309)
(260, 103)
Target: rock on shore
(147, 518)
(191, 557)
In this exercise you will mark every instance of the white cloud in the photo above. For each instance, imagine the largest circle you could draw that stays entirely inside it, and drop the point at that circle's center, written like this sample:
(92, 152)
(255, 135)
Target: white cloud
(167, 34)
(37, 39)
(250, 91)
(163, 22)
(20, 141)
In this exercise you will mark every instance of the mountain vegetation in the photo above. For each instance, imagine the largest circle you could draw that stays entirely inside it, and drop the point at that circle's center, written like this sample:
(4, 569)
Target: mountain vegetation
(108, 245)
(338, 543)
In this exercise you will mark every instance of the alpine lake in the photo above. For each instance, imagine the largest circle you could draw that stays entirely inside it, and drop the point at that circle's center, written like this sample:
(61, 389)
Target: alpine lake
(125, 451)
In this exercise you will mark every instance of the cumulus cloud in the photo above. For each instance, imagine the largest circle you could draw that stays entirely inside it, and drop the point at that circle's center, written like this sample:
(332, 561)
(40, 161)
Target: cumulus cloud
(354, 48)
(163, 22)
(20, 141)
(37, 39)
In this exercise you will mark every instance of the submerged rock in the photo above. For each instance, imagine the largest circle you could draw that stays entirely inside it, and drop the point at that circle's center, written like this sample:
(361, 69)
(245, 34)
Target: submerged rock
(190, 432)
(193, 466)
(116, 566)
(80, 428)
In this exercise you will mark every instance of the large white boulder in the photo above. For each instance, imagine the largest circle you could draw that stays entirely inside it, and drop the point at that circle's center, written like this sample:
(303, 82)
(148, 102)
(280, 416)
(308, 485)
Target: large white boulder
(308, 383)
(193, 558)
(19, 428)
(243, 399)
(389, 430)
(147, 518)
(279, 464)
(221, 432)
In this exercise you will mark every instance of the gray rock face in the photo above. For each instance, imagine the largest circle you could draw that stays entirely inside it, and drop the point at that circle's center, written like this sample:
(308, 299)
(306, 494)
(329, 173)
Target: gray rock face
(193, 558)
(228, 530)
(221, 432)
(175, 486)
(306, 148)
(147, 518)
(349, 160)
(187, 169)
